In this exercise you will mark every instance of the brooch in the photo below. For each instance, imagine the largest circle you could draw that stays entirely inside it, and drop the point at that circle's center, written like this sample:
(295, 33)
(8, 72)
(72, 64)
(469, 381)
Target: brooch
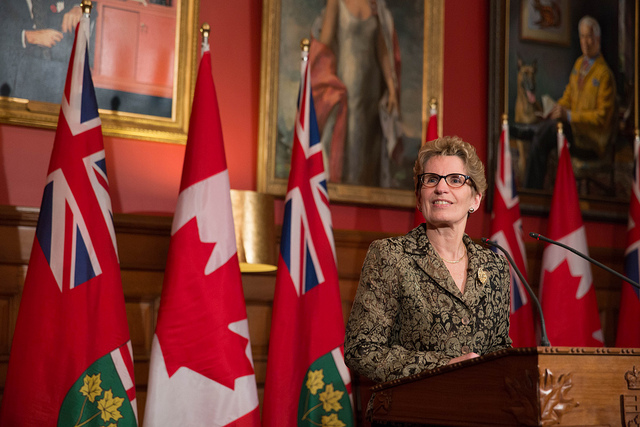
(482, 276)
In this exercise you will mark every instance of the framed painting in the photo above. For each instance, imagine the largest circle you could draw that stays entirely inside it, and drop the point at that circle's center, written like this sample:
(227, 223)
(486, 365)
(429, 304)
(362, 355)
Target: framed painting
(370, 136)
(142, 57)
(528, 76)
(539, 25)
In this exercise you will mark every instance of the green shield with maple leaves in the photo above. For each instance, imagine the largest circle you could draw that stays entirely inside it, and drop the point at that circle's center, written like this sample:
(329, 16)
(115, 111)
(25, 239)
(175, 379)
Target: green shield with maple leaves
(97, 398)
(324, 400)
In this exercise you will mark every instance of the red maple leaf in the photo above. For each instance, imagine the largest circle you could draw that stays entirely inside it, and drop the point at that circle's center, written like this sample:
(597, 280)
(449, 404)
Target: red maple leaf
(570, 321)
(196, 311)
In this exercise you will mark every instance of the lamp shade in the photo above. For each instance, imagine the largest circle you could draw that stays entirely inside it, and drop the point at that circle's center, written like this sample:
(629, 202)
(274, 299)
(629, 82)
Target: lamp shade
(253, 217)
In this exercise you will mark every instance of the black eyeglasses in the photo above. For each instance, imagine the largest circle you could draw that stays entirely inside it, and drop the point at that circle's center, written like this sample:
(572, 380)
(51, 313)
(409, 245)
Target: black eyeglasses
(453, 180)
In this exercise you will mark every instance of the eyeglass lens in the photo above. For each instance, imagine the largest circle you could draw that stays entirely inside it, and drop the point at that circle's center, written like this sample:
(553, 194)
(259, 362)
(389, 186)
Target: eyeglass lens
(453, 179)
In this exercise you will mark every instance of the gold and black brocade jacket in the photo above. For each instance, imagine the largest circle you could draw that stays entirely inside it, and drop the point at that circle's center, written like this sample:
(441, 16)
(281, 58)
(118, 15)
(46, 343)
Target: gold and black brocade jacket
(408, 314)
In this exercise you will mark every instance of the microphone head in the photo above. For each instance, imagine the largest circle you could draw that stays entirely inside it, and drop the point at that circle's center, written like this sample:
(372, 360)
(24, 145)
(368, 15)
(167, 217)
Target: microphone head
(489, 242)
(534, 235)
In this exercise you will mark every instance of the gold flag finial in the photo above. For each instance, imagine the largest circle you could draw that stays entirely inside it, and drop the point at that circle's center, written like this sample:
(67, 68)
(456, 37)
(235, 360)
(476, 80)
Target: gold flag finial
(560, 127)
(304, 44)
(505, 119)
(433, 103)
(86, 6)
(205, 30)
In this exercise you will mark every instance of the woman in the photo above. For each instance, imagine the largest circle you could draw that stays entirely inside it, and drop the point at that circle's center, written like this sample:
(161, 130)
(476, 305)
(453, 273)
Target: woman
(432, 297)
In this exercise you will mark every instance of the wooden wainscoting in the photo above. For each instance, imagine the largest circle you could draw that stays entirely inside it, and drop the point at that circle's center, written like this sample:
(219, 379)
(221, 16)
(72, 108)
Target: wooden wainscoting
(143, 243)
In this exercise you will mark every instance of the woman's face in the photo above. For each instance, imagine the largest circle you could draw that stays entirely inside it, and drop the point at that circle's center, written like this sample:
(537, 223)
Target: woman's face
(443, 205)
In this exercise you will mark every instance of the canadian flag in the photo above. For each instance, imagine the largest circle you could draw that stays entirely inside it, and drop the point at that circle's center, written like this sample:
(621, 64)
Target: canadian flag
(567, 294)
(201, 369)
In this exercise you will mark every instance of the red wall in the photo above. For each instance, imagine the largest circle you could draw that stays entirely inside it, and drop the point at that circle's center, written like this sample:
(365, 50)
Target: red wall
(145, 175)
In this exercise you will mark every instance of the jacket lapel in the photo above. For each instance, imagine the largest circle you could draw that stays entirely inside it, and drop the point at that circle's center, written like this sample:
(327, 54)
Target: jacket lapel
(477, 277)
(418, 246)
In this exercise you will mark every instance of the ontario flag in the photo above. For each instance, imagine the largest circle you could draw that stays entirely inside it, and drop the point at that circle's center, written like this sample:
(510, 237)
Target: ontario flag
(629, 317)
(567, 294)
(71, 361)
(201, 371)
(432, 133)
(506, 230)
(307, 382)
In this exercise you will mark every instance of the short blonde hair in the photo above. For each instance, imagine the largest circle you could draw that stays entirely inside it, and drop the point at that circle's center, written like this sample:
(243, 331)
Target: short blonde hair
(452, 146)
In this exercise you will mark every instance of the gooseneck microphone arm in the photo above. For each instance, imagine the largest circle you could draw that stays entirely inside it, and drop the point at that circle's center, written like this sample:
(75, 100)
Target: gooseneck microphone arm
(588, 258)
(544, 340)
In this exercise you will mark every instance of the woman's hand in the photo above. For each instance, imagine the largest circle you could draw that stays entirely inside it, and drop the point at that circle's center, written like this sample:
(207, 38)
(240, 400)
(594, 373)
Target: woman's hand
(463, 357)
(392, 102)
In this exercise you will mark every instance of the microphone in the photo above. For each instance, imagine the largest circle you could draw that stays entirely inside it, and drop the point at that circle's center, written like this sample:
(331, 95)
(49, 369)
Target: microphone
(588, 258)
(544, 340)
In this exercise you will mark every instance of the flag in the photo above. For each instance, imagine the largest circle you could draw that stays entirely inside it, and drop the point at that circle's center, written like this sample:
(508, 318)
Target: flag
(307, 382)
(432, 133)
(567, 294)
(71, 361)
(629, 317)
(201, 370)
(506, 230)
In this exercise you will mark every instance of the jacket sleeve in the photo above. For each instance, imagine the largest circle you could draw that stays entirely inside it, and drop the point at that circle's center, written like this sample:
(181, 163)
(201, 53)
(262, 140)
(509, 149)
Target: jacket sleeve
(371, 347)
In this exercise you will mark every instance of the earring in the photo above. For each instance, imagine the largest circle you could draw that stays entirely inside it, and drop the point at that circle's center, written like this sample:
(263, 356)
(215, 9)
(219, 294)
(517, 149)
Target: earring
(471, 210)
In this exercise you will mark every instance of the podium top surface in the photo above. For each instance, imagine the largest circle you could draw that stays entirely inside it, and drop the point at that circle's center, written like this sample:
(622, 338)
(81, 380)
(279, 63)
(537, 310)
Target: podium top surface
(535, 352)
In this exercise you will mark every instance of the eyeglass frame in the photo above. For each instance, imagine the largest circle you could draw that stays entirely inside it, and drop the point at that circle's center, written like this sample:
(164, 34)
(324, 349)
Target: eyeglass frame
(440, 177)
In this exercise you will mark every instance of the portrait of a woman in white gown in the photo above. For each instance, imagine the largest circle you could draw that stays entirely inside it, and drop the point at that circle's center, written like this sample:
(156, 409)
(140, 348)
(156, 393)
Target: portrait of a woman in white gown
(358, 37)
(366, 59)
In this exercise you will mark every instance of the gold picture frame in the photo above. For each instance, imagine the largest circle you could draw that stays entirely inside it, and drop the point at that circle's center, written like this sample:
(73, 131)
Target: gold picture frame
(170, 126)
(276, 43)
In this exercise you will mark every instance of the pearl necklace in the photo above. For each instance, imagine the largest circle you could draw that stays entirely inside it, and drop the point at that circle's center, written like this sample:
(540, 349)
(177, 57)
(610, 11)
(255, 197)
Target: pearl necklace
(456, 261)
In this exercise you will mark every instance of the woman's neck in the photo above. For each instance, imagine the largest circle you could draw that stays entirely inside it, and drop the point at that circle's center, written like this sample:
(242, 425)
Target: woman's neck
(447, 242)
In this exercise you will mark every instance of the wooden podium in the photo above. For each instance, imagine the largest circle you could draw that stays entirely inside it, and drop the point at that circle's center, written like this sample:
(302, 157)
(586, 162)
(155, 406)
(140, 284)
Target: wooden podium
(539, 386)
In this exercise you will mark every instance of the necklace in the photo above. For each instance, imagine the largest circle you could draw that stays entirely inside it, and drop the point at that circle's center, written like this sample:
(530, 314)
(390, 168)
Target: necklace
(456, 261)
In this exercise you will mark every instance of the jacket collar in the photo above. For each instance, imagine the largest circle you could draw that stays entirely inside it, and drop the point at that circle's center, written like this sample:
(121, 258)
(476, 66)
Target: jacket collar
(417, 244)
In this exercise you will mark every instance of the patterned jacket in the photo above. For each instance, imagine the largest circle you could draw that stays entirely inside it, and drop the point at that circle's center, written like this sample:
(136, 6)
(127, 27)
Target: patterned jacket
(408, 314)
(592, 105)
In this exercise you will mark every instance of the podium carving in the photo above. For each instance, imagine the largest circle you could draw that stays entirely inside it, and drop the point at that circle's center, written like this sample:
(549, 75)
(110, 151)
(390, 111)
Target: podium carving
(543, 386)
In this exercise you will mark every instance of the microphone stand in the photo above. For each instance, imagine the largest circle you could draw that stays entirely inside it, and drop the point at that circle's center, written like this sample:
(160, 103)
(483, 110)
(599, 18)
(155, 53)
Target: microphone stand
(544, 340)
(588, 258)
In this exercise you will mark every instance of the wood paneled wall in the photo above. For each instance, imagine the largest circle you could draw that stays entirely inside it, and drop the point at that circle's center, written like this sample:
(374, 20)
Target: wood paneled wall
(143, 243)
